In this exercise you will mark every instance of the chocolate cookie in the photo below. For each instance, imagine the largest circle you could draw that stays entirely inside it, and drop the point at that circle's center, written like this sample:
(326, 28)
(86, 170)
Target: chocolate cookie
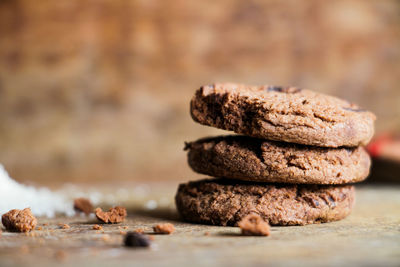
(226, 202)
(252, 159)
(283, 114)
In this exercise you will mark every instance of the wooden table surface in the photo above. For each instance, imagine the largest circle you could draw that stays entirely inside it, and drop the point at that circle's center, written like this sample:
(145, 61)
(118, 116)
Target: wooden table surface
(370, 236)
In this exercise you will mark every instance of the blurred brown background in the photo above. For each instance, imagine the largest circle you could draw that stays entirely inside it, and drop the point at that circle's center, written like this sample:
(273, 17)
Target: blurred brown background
(100, 90)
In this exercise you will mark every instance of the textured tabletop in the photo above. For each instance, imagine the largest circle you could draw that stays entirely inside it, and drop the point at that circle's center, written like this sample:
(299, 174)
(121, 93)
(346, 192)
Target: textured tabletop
(370, 236)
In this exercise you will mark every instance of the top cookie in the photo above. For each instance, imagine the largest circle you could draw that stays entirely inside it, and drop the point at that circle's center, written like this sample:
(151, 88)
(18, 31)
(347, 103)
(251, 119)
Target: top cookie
(283, 114)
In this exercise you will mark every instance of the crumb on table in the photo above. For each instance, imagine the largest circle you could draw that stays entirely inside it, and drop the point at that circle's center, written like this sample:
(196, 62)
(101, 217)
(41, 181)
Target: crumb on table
(253, 224)
(83, 205)
(97, 227)
(164, 228)
(19, 220)
(139, 230)
(113, 215)
(64, 226)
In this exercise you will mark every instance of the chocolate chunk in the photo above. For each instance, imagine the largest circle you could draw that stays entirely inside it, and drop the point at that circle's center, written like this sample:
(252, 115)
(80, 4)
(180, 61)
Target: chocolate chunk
(133, 239)
(19, 220)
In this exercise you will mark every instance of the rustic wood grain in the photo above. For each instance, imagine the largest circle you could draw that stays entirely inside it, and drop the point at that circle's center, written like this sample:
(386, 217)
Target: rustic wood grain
(369, 236)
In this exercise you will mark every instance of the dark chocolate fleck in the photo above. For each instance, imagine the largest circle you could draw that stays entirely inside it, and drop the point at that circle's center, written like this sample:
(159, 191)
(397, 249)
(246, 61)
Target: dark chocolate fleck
(133, 239)
(314, 203)
(274, 89)
(187, 146)
(288, 90)
(332, 202)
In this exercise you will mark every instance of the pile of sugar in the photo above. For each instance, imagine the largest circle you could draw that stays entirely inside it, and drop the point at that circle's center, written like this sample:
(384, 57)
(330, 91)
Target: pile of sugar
(42, 201)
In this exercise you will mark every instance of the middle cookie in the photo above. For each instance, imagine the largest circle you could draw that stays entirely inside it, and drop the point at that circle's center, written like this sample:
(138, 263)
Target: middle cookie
(252, 159)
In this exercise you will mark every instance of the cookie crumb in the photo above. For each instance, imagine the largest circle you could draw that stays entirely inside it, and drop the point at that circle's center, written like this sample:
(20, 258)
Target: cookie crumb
(83, 205)
(133, 239)
(65, 226)
(122, 233)
(151, 237)
(164, 228)
(39, 228)
(97, 227)
(139, 230)
(113, 215)
(207, 233)
(19, 220)
(253, 224)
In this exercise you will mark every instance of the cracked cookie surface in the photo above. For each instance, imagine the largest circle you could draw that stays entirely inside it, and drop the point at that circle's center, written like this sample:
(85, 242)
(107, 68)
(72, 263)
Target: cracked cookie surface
(252, 159)
(283, 114)
(226, 202)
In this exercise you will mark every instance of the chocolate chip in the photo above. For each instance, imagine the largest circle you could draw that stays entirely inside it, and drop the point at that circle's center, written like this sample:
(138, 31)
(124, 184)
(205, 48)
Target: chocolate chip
(332, 202)
(288, 90)
(275, 89)
(314, 203)
(133, 239)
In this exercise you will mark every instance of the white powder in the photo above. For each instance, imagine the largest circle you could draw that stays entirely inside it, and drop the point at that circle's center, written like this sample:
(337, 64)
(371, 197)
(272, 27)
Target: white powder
(42, 201)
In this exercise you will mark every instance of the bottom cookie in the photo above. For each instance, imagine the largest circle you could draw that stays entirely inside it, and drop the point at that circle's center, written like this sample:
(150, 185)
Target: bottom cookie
(226, 202)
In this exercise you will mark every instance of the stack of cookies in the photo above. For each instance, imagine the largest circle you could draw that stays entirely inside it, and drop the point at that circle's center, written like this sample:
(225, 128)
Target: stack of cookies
(294, 163)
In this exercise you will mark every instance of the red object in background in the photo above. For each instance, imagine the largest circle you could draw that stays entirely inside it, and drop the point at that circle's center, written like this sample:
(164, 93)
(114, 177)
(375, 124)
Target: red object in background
(385, 153)
(386, 146)
(375, 147)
